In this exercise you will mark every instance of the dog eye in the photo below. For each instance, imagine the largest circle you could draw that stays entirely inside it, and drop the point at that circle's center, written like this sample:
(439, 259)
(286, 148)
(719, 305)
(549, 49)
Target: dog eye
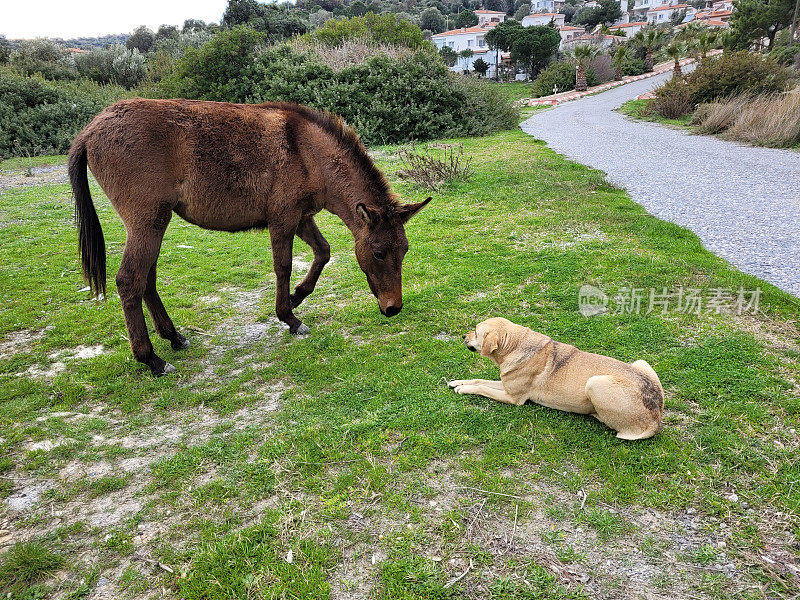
(379, 254)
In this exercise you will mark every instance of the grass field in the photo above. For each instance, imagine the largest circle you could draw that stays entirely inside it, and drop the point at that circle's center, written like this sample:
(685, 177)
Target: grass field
(639, 109)
(340, 465)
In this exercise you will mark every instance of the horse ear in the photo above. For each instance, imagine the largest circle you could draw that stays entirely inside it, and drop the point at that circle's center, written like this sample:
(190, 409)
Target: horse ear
(367, 215)
(407, 211)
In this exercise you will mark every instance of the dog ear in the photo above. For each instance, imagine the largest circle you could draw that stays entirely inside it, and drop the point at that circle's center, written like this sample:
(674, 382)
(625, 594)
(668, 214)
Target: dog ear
(490, 343)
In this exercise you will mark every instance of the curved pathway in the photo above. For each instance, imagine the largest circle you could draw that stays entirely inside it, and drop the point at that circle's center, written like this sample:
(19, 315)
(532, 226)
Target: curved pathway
(743, 202)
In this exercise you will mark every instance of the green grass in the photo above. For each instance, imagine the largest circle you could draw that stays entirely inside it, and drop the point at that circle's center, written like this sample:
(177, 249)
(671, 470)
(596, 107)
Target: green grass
(514, 90)
(23, 162)
(640, 109)
(26, 564)
(346, 446)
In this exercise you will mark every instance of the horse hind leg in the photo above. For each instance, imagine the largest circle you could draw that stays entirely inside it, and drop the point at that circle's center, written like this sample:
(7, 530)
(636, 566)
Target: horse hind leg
(161, 321)
(141, 252)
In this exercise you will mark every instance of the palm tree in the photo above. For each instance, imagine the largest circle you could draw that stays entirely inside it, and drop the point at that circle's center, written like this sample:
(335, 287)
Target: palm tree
(705, 41)
(650, 37)
(581, 55)
(618, 59)
(675, 51)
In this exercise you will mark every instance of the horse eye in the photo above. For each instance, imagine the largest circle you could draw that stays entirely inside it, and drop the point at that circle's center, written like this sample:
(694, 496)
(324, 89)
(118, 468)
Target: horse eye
(380, 255)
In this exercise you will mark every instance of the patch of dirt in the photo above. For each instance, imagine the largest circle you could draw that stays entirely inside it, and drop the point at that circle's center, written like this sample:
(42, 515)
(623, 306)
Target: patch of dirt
(59, 361)
(22, 341)
(45, 175)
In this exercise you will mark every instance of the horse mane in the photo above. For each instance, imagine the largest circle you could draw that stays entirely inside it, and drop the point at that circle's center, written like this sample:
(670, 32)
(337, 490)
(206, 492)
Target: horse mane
(346, 137)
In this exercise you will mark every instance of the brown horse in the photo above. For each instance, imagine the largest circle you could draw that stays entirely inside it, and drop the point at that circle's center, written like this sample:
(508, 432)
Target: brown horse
(231, 167)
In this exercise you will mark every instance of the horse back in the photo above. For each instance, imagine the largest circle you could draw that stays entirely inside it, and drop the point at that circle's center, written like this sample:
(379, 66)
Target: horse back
(218, 165)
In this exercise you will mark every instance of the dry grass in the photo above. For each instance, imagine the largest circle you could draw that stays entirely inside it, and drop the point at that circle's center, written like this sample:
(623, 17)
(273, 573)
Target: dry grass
(349, 53)
(772, 120)
(431, 171)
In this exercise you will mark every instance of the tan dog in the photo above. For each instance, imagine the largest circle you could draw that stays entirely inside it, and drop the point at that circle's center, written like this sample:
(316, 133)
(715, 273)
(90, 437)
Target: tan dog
(626, 397)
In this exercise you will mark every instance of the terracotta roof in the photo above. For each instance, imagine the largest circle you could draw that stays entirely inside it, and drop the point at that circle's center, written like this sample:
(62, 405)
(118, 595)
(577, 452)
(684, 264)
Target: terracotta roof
(488, 12)
(621, 25)
(668, 7)
(570, 28)
(720, 13)
(465, 30)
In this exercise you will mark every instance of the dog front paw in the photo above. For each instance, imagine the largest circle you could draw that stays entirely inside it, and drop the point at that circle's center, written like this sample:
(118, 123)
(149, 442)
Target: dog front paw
(457, 382)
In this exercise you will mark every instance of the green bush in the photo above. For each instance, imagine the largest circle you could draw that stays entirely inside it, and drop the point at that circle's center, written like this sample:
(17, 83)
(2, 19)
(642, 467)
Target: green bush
(561, 74)
(786, 55)
(112, 64)
(42, 117)
(43, 56)
(673, 99)
(385, 99)
(735, 73)
(382, 29)
(633, 66)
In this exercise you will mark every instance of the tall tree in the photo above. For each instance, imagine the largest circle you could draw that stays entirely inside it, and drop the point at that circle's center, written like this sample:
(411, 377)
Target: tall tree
(466, 18)
(141, 39)
(755, 19)
(581, 55)
(534, 46)
(676, 51)
(480, 66)
(432, 20)
(618, 59)
(649, 38)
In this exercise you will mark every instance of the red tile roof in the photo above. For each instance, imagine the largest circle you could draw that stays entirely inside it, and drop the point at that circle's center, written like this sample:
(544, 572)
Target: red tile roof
(475, 29)
(488, 12)
(669, 7)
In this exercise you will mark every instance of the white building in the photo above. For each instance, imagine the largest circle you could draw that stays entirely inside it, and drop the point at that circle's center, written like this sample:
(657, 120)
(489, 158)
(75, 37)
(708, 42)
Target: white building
(470, 38)
(543, 19)
(541, 6)
(489, 18)
(568, 32)
(630, 29)
(663, 14)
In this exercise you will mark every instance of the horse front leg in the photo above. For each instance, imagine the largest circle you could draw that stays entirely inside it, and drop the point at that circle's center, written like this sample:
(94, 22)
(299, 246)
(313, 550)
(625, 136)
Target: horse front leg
(311, 235)
(282, 257)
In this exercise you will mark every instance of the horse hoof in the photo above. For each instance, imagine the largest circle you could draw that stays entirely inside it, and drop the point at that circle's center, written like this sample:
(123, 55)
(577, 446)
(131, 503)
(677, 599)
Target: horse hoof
(166, 370)
(302, 329)
(180, 344)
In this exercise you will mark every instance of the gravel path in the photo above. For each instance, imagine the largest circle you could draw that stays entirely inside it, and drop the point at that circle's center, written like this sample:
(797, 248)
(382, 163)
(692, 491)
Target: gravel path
(743, 202)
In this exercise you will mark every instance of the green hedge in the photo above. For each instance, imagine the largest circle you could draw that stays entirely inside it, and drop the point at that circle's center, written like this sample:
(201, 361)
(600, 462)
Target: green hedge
(38, 116)
(386, 100)
(561, 74)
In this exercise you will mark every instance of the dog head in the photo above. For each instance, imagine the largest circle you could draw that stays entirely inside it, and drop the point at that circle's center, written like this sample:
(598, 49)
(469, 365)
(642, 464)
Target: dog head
(489, 337)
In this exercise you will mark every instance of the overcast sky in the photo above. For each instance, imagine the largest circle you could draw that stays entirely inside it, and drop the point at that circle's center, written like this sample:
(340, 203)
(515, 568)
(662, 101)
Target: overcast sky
(88, 18)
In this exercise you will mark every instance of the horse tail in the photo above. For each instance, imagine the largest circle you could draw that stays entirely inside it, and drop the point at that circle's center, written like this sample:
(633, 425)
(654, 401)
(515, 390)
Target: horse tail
(91, 243)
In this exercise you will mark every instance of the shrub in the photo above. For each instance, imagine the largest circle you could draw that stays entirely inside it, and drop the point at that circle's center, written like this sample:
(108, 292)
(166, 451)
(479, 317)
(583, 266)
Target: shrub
(43, 56)
(602, 67)
(772, 120)
(736, 73)
(386, 99)
(786, 55)
(431, 170)
(561, 74)
(633, 66)
(42, 117)
(222, 69)
(382, 29)
(673, 99)
(113, 64)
